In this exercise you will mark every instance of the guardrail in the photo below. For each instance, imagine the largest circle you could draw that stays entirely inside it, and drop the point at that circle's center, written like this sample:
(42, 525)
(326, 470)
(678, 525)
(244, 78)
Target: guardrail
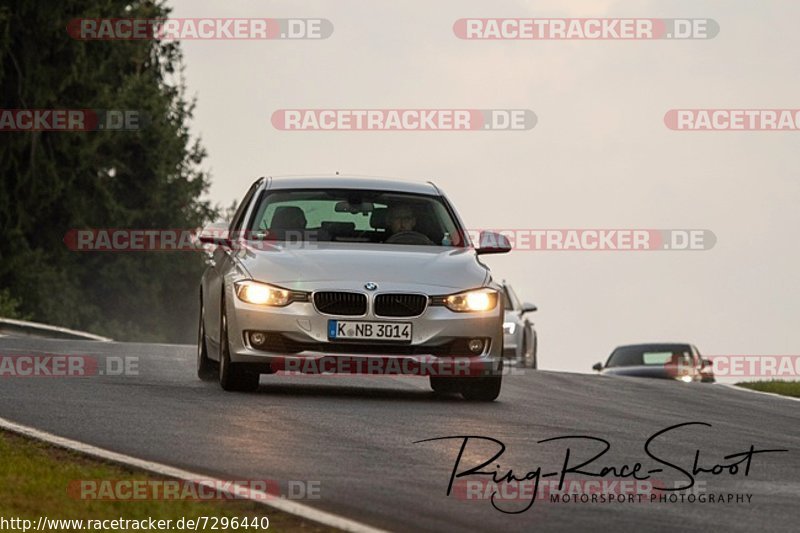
(24, 328)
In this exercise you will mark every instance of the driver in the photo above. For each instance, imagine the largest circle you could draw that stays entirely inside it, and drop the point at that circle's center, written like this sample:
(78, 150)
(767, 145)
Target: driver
(401, 218)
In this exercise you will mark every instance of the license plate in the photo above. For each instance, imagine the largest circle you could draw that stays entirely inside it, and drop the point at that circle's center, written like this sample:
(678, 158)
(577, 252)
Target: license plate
(359, 330)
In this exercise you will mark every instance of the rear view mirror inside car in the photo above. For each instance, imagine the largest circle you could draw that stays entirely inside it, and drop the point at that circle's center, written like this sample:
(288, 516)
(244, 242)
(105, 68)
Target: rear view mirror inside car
(361, 207)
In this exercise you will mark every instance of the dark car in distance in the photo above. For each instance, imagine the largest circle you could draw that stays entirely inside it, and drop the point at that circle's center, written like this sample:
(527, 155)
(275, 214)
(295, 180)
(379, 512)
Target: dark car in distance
(678, 361)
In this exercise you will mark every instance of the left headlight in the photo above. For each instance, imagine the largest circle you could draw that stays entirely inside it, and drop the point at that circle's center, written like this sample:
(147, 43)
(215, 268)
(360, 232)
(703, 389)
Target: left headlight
(475, 300)
(257, 293)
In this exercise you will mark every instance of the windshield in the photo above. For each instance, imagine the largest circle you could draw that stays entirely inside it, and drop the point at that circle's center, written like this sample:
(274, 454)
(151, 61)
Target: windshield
(658, 355)
(346, 215)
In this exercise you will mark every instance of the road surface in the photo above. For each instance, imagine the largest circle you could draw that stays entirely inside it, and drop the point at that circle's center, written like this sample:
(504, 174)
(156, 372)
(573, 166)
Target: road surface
(355, 436)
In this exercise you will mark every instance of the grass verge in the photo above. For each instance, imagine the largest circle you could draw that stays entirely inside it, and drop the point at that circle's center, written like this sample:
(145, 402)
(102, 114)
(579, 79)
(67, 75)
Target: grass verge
(776, 386)
(34, 481)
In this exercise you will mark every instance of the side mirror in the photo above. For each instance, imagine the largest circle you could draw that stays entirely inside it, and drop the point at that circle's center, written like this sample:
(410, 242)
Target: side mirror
(527, 308)
(490, 242)
(706, 362)
(216, 233)
(597, 367)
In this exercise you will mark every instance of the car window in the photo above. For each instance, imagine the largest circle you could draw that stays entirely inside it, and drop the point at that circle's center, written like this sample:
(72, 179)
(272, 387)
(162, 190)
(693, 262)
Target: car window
(651, 355)
(512, 302)
(347, 215)
(316, 213)
(238, 217)
(509, 299)
(656, 358)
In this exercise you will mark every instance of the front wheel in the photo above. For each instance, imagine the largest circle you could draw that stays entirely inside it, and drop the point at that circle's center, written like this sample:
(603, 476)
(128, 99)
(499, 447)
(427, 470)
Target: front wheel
(233, 376)
(485, 389)
(206, 368)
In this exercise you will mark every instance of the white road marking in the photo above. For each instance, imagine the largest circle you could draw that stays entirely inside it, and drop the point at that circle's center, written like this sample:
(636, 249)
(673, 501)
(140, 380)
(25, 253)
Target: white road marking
(286, 506)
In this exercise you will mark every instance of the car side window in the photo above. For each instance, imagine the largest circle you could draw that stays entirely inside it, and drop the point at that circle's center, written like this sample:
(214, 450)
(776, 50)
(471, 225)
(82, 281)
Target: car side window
(509, 303)
(236, 223)
(513, 297)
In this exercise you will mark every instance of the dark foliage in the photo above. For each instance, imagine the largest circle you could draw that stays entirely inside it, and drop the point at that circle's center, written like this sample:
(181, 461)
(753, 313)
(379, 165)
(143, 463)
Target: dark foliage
(51, 182)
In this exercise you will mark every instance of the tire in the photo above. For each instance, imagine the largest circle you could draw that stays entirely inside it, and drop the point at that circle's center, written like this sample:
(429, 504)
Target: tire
(207, 370)
(442, 385)
(482, 389)
(535, 352)
(232, 376)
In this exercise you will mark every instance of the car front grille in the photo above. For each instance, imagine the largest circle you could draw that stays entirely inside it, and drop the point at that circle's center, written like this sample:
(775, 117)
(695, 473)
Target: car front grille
(340, 303)
(400, 305)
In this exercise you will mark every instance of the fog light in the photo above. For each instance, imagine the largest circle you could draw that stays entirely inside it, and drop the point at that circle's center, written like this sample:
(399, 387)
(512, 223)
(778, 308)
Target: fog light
(257, 338)
(475, 345)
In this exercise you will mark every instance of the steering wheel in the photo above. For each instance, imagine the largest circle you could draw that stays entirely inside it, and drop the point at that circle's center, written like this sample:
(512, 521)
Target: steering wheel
(409, 237)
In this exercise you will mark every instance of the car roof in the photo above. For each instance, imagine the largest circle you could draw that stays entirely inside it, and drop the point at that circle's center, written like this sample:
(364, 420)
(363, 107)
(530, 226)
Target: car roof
(352, 182)
(657, 346)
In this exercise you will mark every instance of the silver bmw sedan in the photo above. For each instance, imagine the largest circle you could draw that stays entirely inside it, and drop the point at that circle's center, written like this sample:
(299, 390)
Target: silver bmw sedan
(350, 275)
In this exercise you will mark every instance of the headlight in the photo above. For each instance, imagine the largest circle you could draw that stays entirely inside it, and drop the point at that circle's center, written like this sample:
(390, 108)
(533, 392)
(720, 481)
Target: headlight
(477, 300)
(257, 293)
(509, 327)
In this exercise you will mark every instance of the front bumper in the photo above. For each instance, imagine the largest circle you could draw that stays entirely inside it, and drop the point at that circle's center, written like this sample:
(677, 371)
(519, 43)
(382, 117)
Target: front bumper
(437, 336)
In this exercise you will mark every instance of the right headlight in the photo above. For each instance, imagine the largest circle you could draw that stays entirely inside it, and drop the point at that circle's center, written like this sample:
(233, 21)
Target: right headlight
(257, 293)
(474, 300)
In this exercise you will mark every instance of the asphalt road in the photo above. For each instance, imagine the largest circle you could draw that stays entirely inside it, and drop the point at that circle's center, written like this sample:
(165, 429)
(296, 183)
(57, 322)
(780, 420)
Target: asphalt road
(355, 436)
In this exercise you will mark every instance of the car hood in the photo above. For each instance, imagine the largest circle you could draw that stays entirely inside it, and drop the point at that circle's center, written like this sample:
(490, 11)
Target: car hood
(645, 371)
(350, 266)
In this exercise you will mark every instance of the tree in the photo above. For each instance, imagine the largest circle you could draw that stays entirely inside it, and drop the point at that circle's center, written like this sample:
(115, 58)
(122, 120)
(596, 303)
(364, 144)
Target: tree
(52, 182)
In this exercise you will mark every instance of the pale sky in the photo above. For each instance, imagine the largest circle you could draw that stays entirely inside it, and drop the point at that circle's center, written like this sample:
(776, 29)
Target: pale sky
(600, 155)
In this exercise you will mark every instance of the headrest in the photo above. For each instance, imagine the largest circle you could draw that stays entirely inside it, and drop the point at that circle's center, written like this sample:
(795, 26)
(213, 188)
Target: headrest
(378, 218)
(288, 217)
